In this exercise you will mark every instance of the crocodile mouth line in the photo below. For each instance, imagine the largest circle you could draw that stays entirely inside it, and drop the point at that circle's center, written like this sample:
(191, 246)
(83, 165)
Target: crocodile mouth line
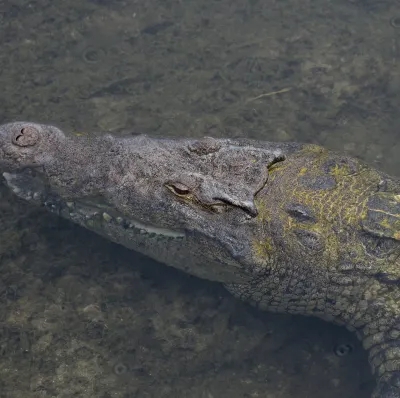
(111, 216)
(98, 216)
(92, 213)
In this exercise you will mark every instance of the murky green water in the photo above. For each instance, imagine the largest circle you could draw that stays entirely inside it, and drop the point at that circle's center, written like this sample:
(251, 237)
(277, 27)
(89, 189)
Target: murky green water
(83, 318)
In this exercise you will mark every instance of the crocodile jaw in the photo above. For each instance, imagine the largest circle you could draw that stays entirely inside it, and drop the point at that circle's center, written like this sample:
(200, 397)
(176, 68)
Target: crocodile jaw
(179, 248)
(27, 186)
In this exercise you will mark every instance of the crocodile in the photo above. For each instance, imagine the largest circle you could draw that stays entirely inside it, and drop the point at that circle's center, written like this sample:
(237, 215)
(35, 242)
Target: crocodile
(287, 227)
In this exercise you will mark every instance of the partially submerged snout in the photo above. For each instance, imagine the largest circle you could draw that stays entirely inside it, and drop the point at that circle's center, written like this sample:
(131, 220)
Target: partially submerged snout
(24, 144)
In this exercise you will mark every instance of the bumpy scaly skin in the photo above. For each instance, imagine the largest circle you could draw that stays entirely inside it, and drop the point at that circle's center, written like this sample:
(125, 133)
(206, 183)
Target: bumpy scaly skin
(287, 227)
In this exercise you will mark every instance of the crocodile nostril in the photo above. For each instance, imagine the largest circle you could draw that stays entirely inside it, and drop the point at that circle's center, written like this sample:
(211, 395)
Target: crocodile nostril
(26, 136)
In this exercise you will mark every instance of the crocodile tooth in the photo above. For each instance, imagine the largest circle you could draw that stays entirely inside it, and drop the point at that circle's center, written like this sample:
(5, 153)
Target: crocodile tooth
(107, 217)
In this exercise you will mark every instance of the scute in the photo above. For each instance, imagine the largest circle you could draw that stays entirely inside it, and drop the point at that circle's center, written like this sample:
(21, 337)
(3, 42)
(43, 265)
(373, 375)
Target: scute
(382, 216)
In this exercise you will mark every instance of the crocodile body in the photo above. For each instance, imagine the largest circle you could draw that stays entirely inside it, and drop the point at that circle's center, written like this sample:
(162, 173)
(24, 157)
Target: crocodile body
(286, 227)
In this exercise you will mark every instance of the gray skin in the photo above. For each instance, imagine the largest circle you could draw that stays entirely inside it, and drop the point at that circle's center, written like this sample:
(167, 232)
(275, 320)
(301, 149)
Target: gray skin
(286, 227)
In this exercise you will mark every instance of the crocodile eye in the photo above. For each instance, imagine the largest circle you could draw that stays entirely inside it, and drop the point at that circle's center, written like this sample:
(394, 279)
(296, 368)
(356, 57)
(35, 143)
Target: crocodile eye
(179, 189)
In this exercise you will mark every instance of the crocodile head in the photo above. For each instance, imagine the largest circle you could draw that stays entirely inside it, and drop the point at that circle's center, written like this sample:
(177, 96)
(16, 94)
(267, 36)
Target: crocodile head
(186, 203)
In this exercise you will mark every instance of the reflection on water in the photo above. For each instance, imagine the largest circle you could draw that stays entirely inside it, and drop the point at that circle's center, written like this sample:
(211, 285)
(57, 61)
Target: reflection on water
(316, 71)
